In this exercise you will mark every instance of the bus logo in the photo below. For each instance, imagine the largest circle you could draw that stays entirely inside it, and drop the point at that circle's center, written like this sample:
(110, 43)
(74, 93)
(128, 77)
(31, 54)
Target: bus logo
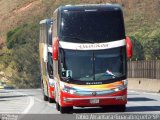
(94, 93)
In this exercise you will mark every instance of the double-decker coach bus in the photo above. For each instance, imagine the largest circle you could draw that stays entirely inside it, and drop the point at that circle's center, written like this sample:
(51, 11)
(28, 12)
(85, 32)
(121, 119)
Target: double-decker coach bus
(45, 50)
(90, 52)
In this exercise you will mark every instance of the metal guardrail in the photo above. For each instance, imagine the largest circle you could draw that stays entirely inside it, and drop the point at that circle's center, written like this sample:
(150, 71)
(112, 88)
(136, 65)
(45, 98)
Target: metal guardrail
(144, 69)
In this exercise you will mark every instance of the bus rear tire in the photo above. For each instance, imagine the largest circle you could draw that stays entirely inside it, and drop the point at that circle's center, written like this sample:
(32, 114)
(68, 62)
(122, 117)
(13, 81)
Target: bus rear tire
(121, 108)
(57, 106)
(45, 98)
(66, 110)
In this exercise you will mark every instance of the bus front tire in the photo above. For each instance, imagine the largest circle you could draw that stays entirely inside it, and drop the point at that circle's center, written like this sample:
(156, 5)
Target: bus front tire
(121, 108)
(66, 110)
(115, 108)
(51, 100)
(57, 106)
(45, 98)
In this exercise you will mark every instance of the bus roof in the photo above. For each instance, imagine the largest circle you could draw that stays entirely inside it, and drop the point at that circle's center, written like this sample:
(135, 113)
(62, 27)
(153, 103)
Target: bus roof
(83, 7)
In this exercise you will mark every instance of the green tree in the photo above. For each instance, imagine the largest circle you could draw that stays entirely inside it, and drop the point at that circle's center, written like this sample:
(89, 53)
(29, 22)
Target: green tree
(138, 50)
(152, 46)
(14, 37)
(23, 41)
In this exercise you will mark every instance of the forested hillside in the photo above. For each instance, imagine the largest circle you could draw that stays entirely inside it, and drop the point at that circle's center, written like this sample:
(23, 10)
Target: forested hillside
(19, 31)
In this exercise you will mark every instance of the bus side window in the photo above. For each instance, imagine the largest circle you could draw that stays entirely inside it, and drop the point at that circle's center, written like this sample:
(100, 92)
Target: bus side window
(50, 35)
(50, 65)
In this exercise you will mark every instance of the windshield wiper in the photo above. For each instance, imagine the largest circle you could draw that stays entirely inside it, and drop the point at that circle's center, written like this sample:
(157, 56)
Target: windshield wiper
(79, 39)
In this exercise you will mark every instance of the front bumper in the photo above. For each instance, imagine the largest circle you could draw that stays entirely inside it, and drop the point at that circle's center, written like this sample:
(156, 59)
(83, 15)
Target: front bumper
(117, 98)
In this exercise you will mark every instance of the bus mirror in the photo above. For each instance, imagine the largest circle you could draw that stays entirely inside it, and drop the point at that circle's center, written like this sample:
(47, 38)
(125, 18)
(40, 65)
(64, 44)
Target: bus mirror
(63, 73)
(129, 47)
(55, 48)
(69, 73)
(45, 53)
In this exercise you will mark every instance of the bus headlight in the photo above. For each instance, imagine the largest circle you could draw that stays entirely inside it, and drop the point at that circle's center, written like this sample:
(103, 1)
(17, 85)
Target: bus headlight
(68, 90)
(72, 91)
(51, 83)
(121, 87)
(125, 82)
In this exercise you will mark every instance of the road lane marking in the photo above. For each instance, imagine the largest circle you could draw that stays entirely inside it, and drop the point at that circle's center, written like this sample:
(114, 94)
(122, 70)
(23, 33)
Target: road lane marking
(31, 103)
(134, 103)
(49, 104)
(143, 92)
(39, 100)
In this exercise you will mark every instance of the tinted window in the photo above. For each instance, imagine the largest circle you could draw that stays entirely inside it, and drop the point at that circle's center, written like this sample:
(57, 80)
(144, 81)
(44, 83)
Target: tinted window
(50, 65)
(99, 65)
(95, 26)
(50, 35)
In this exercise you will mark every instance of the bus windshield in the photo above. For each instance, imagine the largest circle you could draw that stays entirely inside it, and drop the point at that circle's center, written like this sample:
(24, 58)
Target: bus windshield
(94, 26)
(98, 65)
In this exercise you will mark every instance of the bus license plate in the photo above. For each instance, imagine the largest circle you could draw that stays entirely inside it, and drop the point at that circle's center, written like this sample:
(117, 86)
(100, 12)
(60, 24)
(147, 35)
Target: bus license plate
(94, 101)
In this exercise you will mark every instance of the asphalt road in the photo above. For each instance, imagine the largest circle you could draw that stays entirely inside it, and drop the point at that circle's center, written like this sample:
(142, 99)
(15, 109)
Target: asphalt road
(29, 101)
